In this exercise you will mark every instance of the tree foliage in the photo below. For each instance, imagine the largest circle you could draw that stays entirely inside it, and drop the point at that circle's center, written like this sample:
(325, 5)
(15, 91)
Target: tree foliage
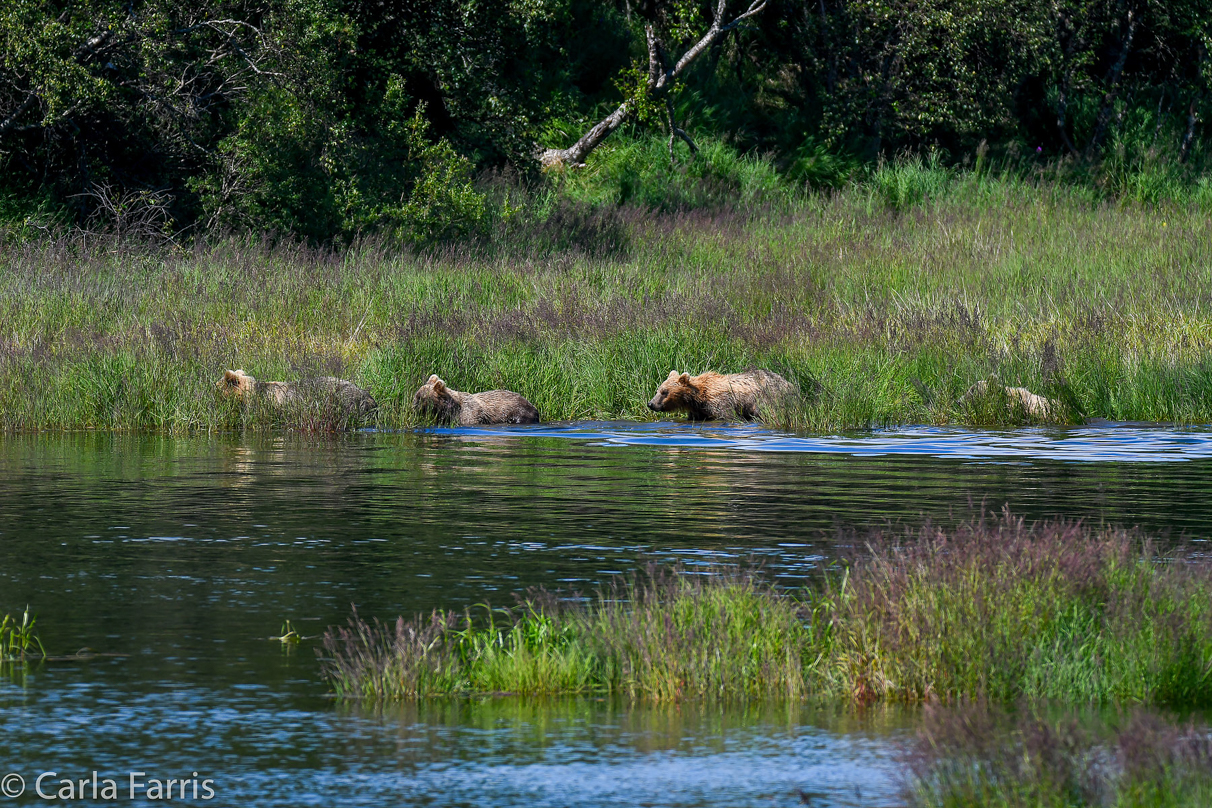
(327, 118)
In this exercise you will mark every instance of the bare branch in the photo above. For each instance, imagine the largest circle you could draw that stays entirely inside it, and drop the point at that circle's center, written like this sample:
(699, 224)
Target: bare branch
(8, 122)
(754, 8)
(675, 131)
(91, 44)
(660, 81)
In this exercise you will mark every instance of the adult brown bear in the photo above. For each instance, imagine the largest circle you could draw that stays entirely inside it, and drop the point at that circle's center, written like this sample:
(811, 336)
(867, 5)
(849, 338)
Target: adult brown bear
(719, 397)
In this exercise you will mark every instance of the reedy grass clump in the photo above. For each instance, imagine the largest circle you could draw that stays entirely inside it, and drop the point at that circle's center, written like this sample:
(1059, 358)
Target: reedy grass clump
(995, 609)
(663, 636)
(1004, 610)
(18, 641)
(883, 311)
(976, 757)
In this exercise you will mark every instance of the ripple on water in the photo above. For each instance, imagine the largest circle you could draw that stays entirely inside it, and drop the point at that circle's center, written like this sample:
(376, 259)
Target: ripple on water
(1103, 442)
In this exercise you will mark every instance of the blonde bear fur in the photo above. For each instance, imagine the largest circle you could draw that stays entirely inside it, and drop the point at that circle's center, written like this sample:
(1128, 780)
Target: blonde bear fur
(437, 400)
(720, 397)
(349, 396)
(1035, 406)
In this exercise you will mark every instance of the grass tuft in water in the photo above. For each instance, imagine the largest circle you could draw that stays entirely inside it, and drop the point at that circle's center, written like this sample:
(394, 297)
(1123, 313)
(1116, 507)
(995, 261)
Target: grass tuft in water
(997, 609)
(664, 635)
(1003, 609)
(18, 640)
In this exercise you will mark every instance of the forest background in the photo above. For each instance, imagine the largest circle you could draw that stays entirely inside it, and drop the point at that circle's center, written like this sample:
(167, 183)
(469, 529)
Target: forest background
(423, 122)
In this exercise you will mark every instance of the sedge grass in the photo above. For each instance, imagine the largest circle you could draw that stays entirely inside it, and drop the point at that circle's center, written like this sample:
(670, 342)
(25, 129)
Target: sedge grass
(885, 304)
(996, 609)
(663, 636)
(19, 640)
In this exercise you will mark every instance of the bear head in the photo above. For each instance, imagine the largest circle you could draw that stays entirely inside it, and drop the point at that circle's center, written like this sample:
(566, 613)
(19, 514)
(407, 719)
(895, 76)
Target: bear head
(434, 398)
(236, 383)
(675, 393)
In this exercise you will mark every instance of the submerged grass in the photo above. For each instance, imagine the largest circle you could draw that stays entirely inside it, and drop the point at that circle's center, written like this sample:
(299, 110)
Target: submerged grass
(995, 609)
(885, 302)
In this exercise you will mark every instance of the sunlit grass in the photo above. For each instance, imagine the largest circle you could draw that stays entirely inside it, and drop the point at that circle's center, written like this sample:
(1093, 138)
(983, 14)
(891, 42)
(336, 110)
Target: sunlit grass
(885, 302)
(19, 640)
(662, 636)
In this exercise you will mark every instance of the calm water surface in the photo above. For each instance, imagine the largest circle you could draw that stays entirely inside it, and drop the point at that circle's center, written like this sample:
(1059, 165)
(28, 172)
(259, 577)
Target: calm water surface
(186, 554)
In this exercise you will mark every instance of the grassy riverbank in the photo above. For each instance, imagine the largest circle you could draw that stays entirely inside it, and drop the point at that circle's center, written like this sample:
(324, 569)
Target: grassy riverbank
(885, 302)
(997, 609)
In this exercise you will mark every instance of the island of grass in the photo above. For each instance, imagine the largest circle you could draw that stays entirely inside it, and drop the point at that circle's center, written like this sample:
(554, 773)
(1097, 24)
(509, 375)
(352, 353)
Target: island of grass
(997, 609)
(1001, 628)
(883, 302)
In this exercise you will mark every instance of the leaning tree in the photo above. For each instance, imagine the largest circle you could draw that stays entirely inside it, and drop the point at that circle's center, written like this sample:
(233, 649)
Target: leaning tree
(655, 89)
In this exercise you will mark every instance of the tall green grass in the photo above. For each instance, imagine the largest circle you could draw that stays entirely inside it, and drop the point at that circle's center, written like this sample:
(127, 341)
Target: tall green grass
(1005, 611)
(997, 609)
(885, 301)
(663, 636)
(18, 641)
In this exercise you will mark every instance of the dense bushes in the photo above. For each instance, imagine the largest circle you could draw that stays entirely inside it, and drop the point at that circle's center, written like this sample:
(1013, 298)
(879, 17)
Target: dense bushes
(329, 120)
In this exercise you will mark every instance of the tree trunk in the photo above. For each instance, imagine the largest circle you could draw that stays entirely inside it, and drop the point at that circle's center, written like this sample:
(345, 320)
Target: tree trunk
(1192, 117)
(1104, 114)
(660, 81)
(575, 154)
(1062, 105)
(8, 122)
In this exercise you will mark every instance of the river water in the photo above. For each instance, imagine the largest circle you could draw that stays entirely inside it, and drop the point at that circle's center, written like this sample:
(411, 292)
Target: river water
(177, 559)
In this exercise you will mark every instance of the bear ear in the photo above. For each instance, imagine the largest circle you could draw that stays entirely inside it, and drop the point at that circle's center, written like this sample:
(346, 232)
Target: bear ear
(232, 377)
(684, 379)
(439, 386)
(673, 374)
(433, 377)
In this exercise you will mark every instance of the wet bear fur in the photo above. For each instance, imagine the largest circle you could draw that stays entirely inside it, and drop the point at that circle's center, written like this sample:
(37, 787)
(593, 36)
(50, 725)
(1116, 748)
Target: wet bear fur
(438, 401)
(720, 397)
(349, 397)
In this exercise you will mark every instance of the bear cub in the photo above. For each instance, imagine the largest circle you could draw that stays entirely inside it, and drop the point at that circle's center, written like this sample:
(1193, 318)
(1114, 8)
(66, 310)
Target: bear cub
(436, 400)
(348, 396)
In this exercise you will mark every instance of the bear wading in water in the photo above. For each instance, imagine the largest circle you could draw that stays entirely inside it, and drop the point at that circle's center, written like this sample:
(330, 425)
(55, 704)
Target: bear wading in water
(720, 397)
(350, 398)
(468, 409)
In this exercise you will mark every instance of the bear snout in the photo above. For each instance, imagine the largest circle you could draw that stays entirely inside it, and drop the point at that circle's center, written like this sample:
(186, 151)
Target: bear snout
(654, 405)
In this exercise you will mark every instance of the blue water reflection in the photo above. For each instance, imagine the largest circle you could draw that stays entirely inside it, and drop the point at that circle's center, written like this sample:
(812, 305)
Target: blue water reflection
(1103, 442)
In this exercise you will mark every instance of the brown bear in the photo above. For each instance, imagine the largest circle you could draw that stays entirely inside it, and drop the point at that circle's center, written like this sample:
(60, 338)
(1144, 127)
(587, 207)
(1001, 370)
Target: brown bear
(467, 409)
(1035, 406)
(349, 397)
(719, 397)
